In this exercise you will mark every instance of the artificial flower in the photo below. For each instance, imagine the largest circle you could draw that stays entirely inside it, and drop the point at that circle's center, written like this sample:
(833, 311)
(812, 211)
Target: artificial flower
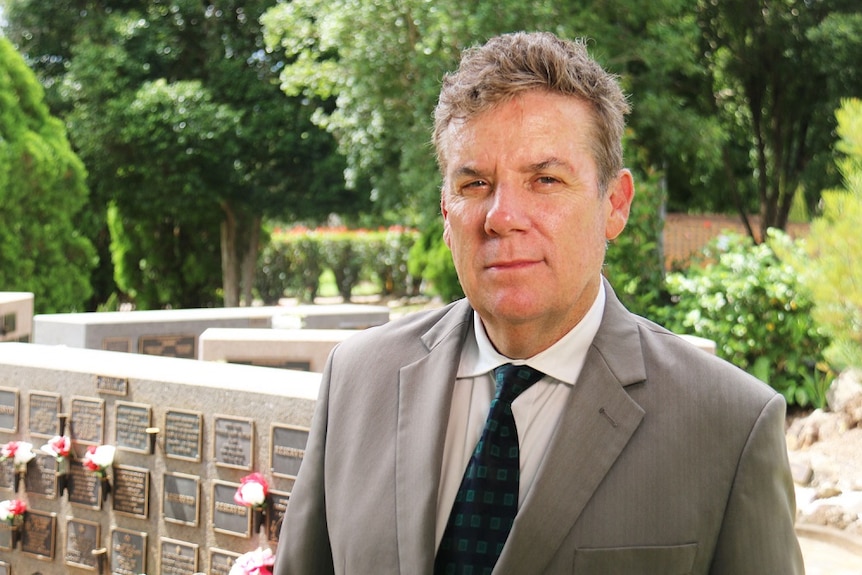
(12, 509)
(98, 458)
(252, 491)
(59, 446)
(257, 562)
(20, 452)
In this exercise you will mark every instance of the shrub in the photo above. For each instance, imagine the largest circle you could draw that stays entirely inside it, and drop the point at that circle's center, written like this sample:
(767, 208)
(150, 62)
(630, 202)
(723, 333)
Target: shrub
(752, 305)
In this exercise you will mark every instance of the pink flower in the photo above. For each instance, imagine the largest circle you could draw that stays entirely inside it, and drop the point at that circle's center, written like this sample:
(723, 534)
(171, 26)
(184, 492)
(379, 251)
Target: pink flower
(257, 562)
(59, 446)
(252, 491)
(99, 458)
(11, 509)
(20, 452)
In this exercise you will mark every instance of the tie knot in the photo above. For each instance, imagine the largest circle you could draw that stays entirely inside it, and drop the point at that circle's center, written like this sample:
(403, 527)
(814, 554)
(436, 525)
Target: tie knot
(514, 379)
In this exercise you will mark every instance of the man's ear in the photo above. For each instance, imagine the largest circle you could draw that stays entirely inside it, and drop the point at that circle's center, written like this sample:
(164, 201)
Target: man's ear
(620, 194)
(445, 211)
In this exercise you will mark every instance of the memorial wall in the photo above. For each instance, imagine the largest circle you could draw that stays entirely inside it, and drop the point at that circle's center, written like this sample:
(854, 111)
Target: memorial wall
(158, 450)
(16, 316)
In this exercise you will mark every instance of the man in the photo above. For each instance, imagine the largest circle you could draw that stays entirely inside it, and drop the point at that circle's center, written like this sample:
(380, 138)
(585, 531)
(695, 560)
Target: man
(639, 454)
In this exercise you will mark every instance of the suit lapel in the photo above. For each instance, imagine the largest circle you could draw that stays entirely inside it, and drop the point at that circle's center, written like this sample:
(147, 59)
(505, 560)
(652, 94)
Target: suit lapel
(423, 414)
(595, 427)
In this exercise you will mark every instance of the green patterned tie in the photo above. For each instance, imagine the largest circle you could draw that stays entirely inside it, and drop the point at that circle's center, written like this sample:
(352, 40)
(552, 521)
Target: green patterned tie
(487, 500)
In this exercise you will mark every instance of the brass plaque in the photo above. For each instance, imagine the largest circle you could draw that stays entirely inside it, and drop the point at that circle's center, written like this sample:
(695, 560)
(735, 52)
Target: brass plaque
(177, 557)
(275, 515)
(183, 434)
(112, 385)
(7, 475)
(128, 552)
(228, 516)
(44, 414)
(88, 420)
(221, 561)
(117, 344)
(6, 540)
(233, 443)
(82, 538)
(168, 345)
(41, 477)
(181, 498)
(39, 534)
(5, 568)
(83, 487)
(131, 491)
(287, 448)
(132, 421)
(8, 409)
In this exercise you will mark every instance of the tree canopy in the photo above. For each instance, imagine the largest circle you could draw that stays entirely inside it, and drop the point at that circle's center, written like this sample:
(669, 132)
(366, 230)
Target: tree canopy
(42, 190)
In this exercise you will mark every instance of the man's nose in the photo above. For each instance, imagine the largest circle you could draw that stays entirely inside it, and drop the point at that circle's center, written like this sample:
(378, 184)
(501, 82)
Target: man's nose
(508, 210)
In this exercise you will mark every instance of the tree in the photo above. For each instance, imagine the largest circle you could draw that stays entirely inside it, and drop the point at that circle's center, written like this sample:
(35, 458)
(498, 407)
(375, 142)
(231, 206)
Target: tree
(128, 75)
(42, 189)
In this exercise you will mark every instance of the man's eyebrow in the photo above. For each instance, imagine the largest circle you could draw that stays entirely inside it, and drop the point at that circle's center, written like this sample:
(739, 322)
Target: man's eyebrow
(548, 163)
(466, 172)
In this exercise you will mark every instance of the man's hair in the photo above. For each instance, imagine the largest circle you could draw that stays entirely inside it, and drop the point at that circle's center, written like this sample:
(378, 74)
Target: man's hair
(511, 64)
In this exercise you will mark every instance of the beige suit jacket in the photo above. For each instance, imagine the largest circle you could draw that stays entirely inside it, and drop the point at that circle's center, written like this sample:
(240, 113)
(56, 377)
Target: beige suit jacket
(666, 461)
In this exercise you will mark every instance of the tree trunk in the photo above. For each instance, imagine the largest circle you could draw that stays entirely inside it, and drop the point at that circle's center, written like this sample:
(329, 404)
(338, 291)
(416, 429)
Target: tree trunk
(249, 258)
(229, 261)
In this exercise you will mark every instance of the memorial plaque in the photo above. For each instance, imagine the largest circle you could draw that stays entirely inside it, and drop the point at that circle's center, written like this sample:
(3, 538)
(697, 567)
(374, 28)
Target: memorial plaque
(84, 487)
(7, 475)
(181, 498)
(41, 477)
(7, 532)
(233, 443)
(132, 421)
(221, 561)
(177, 557)
(8, 409)
(112, 385)
(8, 323)
(88, 420)
(168, 345)
(82, 538)
(183, 434)
(131, 491)
(5, 568)
(117, 344)
(287, 448)
(44, 414)
(39, 534)
(228, 516)
(128, 552)
(275, 515)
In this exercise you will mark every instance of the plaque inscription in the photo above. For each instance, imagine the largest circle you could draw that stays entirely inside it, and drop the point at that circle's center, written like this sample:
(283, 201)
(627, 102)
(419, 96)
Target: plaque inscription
(132, 421)
(275, 515)
(183, 434)
(181, 498)
(177, 557)
(234, 441)
(117, 344)
(8, 409)
(41, 477)
(287, 447)
(6, 533)
(7, 474)
(112, 385)
(39, 534)
(131, 491)
(43, 419)
(221, 561)
(128, 552)
(168, 345)
(228, 516)
(82, 538)
(88, 420)
(83, 487)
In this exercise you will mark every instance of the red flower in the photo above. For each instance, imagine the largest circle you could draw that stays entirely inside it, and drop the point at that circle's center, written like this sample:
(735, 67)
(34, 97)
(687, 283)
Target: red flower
(252, 491)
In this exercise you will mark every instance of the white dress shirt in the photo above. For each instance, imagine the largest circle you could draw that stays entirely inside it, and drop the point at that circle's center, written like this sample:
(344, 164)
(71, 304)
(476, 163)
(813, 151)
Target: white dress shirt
(536, 410)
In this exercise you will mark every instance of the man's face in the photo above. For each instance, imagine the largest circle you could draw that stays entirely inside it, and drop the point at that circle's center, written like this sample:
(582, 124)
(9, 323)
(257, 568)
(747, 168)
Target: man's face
(523, 215)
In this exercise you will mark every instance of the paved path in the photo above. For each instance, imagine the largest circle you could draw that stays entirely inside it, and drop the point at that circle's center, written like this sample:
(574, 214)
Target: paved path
(826, 553)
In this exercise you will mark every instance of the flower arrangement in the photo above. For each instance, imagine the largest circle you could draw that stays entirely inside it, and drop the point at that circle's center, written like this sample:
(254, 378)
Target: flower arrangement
(257, 562)
(60, 446)
(252, 491)
(99, 458)
(20, 452)
(12, 509)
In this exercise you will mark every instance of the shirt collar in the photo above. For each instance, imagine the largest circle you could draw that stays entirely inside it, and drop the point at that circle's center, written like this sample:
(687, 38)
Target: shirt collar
(562, 361)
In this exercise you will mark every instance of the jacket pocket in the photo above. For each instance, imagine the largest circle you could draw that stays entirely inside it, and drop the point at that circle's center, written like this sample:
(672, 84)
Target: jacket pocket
(669, 560)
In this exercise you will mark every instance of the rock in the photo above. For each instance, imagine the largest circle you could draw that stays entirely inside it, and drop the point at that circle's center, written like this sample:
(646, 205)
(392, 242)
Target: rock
(844, 389)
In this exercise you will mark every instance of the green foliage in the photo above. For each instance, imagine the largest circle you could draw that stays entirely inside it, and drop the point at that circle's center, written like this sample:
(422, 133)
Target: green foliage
(752, 305)
(431, 260)
(829, 266)
(294, 260)
(42, 190)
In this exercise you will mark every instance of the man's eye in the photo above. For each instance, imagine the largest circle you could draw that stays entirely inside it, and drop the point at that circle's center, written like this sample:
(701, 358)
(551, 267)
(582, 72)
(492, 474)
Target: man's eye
(547, 180)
